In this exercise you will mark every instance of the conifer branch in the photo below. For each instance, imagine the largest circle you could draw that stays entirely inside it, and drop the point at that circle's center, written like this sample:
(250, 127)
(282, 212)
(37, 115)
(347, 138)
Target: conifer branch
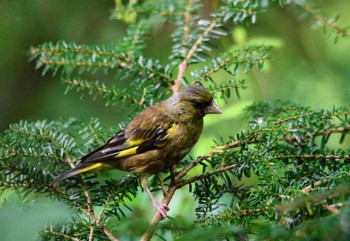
(299, 174)
(109, 235)
(110, 95)
(182, 66)
(232, 214)
(51, 231)
(92, 58)
(322, 19)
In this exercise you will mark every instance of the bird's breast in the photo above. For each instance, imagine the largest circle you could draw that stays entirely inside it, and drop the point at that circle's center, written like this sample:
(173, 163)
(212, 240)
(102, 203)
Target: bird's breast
(183, 139)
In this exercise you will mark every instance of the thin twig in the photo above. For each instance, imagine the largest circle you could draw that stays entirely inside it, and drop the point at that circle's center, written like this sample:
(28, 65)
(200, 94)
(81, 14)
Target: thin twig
(206, 174)
(310, 114)
(157, 217)
(174, 185)
(99, 220)
(90, 210)
(308, 188)
(184, 64)
(200, 40)
(91, 234)
(232, 214)
(60, 234)
(331, 23)
(109, 234)
(177, 83)
(185, 36)
(91, 214)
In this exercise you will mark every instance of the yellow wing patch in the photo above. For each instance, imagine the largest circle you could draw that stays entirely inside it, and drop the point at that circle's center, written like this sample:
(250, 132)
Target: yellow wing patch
(136, 142)
(91, 167)
(171, 130)
(127, 152)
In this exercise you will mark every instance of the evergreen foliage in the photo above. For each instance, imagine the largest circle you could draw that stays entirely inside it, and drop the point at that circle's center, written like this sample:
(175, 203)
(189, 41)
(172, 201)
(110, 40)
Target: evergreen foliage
(301, 178)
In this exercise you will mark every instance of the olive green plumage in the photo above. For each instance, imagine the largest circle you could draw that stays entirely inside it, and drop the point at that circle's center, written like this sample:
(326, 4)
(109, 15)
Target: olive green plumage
(155, 139)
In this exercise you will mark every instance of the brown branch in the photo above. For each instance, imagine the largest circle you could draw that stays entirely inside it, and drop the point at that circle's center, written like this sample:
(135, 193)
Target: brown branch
(318, 198)
(157, 217)
(309, 114)
(66, 197)
(206, 174)
(295, 117)
(333, 130)
(89, 212)
(304, 137)
(64, 62)
(333, 208)
(99, 217)
(232, 214)
(60, 234)
(186, 26)
(91, 234)
(177, 83)
(180, 184)
(307, 189)
(327, 21)
(311, 156)
(176, 184)
(184, 64)
(92, 130)
(193, 163)
(103, 90)
(200, 40)
(45, 56)
(109, 234)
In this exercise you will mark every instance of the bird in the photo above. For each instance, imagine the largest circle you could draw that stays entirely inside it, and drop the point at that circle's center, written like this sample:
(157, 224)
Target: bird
(154, 140)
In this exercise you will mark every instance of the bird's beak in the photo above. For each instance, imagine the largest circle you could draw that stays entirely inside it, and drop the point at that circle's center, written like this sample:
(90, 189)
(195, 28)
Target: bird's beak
(213, 109)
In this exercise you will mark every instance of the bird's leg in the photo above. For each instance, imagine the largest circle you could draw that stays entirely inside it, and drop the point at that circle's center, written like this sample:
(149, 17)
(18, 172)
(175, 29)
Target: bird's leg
(162, 185)
(173, 172)
(161, 208)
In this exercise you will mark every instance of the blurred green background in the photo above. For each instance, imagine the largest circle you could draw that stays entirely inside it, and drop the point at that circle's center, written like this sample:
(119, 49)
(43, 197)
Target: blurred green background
(306, 66)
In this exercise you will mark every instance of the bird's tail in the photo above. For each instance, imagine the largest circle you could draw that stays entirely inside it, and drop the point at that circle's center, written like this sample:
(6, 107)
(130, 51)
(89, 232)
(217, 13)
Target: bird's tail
(81, 168)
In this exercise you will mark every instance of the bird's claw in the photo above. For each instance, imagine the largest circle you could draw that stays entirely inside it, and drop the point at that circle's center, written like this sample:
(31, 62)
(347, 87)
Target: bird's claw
(161, 208)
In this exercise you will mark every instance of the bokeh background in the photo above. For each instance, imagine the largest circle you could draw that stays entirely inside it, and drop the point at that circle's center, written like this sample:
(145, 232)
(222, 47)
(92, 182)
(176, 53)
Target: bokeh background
(306, 66)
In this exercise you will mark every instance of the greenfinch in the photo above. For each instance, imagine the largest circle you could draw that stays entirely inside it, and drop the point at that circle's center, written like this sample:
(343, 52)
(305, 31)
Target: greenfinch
(157, 138)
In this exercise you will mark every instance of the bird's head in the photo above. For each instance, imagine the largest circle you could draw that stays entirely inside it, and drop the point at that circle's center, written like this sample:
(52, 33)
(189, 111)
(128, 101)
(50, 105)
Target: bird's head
(193, 102)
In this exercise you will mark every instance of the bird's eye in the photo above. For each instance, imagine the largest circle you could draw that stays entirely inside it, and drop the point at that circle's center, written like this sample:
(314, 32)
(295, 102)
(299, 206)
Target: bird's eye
(199, 104)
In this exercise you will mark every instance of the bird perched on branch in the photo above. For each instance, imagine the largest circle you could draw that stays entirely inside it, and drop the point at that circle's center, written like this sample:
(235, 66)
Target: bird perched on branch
(154, 140)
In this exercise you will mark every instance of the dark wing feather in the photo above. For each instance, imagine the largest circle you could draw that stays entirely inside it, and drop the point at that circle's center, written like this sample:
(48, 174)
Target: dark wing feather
(149, 130)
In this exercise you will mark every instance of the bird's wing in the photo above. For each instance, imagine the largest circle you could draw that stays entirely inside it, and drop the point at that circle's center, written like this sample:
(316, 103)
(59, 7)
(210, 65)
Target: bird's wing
(146, 132)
